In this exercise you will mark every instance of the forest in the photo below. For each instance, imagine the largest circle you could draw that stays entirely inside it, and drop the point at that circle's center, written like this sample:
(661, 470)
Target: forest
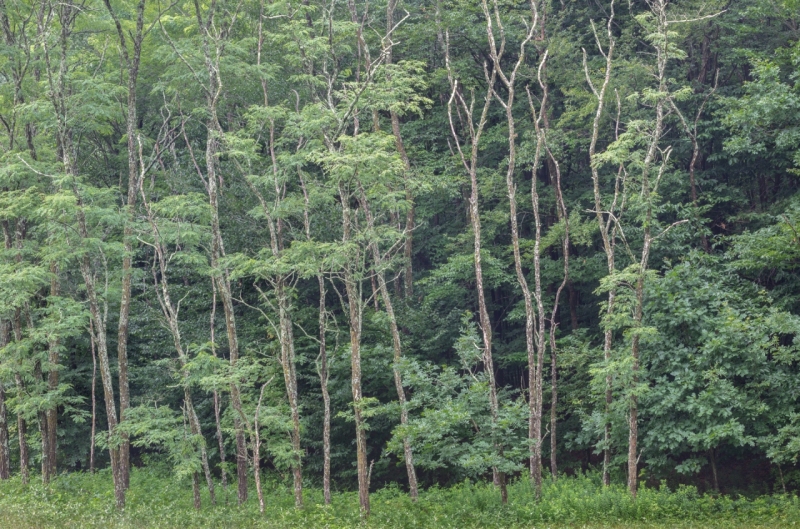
(319, 252)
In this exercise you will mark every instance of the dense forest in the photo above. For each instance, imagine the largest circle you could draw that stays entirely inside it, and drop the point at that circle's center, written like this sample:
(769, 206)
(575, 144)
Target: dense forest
(352, 244)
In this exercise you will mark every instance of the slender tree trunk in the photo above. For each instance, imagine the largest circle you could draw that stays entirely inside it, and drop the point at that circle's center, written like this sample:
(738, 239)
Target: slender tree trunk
(377, 259)
(290, 379)
(105, 369)
(222, 278)
(216, 395)
(326, 398)
(408, 248)
(196, 491)
(42, 420)
(536, 372)
(131, 64)
(353, 296)
(5, 455)
(553, 414)
(22, 426)
(94, 399)
(603, 223)
(224, 286)
(659, 8)
(67, 15)
(171, 314)
(398, 382)
(52, 385)
(564, 217)
(257, 452)
(470, 163)
(713, 460)
(194, 424)
(353, 290)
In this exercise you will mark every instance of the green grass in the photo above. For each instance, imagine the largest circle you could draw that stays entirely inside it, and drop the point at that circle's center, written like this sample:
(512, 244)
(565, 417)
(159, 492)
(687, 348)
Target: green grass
(86, 501)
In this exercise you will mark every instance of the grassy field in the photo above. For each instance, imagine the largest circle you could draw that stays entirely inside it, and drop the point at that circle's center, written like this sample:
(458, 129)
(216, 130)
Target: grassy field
(86, 501)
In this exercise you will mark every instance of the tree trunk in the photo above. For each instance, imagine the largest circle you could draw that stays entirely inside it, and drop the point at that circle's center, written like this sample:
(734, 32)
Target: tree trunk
(194, 424)
(713, 460)
(353, 297)
(603, 223)
(94, 400)
(326, 398)
(377, 259)
(353, 290)
(196, 491)
(213, 94)
(290, 379)
(5, 455)
(131, 64)
(22, 427)
(52, 385)
(42, 420)
(216, 395)
(553, 413)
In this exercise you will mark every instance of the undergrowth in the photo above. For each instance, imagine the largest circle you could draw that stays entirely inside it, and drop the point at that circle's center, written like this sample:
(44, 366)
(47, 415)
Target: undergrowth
(86, 501)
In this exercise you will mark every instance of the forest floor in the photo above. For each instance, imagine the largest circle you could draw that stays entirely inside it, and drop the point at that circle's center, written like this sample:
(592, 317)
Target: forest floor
(81, 500)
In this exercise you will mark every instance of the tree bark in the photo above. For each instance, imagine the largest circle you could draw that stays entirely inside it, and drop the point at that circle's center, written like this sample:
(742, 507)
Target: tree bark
(131, 64)
(222, 279)
(603, 223)
(377, 259)
(408, 247)
(326, 398)
(5, 455)
(355, 312)
(216, 395)
(22, 426)
(52, 385)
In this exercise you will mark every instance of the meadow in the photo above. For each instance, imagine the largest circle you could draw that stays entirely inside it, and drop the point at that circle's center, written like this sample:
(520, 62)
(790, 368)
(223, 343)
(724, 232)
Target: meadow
(81, 500)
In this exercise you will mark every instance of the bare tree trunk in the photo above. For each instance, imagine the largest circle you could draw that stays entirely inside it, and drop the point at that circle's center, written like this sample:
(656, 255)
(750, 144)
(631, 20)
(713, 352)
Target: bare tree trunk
(52, 385)
(213, 31)
(536, 371)
(194, 424)
(105, 367)
(554, 324)
(195, 475)
(408, 248)
(604, 224)
(563, 214)
(171, 313)
(131, 64)
(470, 163)
(659, 9)
(285, 329)
(216, 395)
(5, 455)
(322, 366)
(42, 420)
(67, 13)
(257, 452)
(196, 491)
(94, 400)
(326, 398)
(353, 290)
(553, 413)
(377, 259)
(509, 81)
(290, 379)
(22, 426)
